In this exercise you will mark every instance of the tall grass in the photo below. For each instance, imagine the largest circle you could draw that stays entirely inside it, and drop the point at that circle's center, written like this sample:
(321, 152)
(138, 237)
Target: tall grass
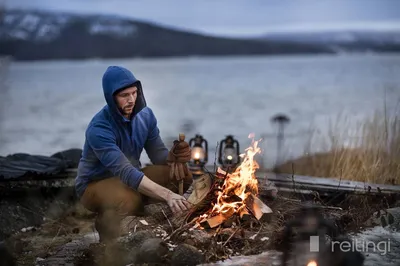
(370, 154)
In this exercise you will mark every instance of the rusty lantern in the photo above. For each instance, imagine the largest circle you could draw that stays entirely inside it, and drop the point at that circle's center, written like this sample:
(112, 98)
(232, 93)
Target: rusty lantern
(229, 153)
(199, 147)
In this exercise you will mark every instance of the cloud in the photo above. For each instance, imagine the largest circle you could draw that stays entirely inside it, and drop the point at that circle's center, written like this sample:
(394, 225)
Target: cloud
(226, 16)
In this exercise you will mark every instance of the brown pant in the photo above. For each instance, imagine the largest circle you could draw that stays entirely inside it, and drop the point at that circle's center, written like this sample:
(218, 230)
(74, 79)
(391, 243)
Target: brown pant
(113, 200)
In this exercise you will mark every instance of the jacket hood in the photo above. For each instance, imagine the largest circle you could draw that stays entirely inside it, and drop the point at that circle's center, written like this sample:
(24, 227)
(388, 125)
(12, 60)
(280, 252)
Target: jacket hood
(116, 78)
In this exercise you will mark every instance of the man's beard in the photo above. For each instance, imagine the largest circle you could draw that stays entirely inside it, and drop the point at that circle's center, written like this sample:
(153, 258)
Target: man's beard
(128, 110)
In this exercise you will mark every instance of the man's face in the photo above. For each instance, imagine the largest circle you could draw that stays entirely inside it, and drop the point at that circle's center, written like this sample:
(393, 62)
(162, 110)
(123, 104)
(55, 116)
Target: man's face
(125, 100)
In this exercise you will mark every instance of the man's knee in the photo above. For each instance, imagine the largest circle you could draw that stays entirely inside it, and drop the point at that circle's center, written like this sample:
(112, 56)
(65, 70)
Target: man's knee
(112, 194)
(88, 200)
(131, 204)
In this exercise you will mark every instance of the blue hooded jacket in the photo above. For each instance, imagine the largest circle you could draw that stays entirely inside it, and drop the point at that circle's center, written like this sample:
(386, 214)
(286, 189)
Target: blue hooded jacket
(113, 143)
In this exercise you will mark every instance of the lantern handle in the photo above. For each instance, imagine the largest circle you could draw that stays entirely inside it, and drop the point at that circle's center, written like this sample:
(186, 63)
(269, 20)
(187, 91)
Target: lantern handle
(206, 151)
(220, 152)
(237, 151)
(191, 141)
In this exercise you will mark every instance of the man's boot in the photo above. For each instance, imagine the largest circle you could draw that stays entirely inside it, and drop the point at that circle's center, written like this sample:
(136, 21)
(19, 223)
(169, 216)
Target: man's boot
(199, 189)
(107, 224)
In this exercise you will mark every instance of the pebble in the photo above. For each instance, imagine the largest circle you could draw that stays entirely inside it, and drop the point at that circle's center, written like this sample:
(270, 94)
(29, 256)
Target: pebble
(153, 250)
(27, 229)
(185, 254)
(137, 238)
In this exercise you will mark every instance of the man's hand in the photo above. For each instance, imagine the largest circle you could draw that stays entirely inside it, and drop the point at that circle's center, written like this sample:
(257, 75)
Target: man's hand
(177, 203)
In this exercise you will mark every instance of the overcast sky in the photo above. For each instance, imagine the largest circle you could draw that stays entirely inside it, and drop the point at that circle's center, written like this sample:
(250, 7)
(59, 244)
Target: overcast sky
(239, 17)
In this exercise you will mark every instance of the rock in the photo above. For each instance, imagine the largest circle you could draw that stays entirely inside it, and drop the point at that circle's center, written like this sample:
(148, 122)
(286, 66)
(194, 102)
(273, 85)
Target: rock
(16, 245)
(186, 254)
(156, 210)
(200, 237)
(390, 217)
(39, 259)
(190, 242)
(393, 217)
(7, 258)
(268, 258)
(269, 190)
(42, 254)
(136, 239)
(232, 233)
(135, 223)
(153, 250)
(129, 224)
(65, 254)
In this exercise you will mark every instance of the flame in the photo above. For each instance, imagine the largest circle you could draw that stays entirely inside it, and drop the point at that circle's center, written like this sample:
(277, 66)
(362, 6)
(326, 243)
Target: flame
(239, 184)
(312, 263)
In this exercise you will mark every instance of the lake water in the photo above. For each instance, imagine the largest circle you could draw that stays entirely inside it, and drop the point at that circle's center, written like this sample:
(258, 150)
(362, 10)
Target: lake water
(46, 106)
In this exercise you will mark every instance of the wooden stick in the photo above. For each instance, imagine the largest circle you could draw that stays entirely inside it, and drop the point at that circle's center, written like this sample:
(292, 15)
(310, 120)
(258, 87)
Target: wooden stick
(180, 187)
(181, 138)
(234, 233)
(180, 229)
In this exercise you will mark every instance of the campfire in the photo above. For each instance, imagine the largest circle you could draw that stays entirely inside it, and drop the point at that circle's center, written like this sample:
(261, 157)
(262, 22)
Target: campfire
(234, 194)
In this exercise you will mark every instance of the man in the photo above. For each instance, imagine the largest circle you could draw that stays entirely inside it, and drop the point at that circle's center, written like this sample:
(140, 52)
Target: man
(110, 181)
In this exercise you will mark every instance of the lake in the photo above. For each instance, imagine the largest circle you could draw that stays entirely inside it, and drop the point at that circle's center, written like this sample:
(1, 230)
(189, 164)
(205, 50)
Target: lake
(46, 106)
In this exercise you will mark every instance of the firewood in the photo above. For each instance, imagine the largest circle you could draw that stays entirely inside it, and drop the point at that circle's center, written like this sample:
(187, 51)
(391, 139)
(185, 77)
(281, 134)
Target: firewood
(258, 208)
(244, 214)
(217, 220)
(213, 221)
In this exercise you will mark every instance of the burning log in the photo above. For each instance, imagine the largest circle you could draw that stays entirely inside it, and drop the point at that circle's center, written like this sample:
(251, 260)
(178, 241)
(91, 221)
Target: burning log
(258, 208)
(216, 220)
(213, 221)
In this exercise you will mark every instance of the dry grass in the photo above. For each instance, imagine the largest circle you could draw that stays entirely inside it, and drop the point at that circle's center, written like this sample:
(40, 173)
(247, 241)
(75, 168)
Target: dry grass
(371, 154)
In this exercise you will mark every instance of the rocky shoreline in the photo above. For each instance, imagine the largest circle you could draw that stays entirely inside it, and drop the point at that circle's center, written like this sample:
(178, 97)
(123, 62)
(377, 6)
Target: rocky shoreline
(71, 238)
(46, 226)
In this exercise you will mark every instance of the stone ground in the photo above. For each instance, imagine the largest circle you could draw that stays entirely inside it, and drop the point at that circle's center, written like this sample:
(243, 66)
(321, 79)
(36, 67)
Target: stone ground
(34, 243)
(70, 239)
(148, 243)
(31, 208)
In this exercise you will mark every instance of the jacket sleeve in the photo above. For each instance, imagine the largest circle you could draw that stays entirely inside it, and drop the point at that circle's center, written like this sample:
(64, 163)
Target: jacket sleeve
(154, 146)
(103, 142)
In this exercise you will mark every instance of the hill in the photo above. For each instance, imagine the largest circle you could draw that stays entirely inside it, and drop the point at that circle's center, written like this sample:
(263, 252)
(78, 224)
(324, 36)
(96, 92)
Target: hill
(41, 35)
(343, 40)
